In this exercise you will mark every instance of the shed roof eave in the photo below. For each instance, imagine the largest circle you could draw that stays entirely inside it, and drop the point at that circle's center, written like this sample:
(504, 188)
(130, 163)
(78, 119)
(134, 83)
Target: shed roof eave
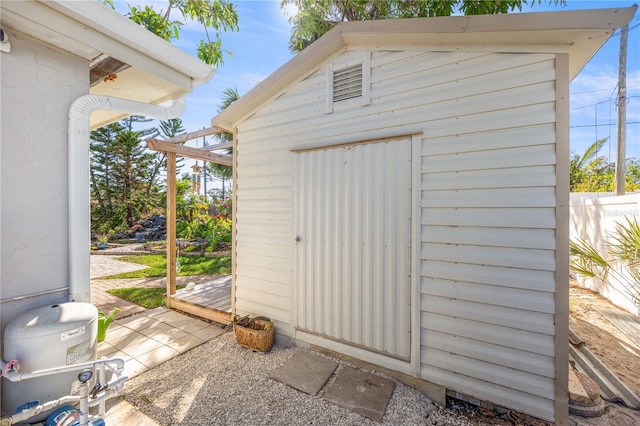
(582, 32)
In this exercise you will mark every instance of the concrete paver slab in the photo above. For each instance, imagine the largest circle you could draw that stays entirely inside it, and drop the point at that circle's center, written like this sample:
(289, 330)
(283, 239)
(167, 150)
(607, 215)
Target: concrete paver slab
(133, 367)
(103, 265)
(364, 393)
(123, 413)
(157, 356)
(163, 333)
(185, 343)
(138, 322)
(209, 332)
(305, 372)
(140, 347)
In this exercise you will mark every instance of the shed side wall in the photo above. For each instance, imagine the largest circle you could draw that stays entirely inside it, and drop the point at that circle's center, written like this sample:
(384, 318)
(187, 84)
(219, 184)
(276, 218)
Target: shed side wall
(487, 195)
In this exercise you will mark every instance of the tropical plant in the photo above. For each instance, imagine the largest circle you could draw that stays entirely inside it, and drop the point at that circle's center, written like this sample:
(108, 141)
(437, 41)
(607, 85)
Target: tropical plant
(316, 17)
(219, 171)
(223, 205)
(591, 172)
(622, 250)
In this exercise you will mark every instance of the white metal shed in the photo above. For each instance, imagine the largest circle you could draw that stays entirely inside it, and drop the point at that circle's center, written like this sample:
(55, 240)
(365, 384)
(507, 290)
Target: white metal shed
(401, 197)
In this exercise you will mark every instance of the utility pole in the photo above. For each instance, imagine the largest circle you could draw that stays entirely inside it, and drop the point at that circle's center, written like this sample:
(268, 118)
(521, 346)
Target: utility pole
(622, 113)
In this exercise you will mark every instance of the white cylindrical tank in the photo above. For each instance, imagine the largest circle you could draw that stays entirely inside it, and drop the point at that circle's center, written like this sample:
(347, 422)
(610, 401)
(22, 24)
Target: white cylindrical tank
(48, 337)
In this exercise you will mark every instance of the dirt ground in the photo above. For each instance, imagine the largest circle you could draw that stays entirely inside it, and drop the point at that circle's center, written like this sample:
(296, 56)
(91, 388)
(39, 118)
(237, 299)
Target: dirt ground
(610, 345)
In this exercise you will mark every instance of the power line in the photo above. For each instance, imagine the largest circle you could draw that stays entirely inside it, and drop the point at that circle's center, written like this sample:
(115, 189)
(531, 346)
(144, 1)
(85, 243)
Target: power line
(606, 124)
(618, 32)
(611, 99)
(599, 90)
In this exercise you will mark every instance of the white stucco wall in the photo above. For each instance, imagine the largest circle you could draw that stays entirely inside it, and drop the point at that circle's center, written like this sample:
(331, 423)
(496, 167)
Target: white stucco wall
(38, 85)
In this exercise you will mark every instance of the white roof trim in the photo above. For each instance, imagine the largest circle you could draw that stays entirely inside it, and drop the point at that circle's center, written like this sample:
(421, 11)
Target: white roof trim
(91, 30)
(579, 33)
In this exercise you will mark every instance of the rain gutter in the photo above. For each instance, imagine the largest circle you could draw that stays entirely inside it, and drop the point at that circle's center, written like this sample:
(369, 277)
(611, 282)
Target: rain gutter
(79, 177)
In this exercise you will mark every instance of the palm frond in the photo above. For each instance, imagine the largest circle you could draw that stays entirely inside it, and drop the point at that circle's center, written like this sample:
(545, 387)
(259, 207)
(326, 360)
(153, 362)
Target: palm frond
(585, 260)
(625, 242)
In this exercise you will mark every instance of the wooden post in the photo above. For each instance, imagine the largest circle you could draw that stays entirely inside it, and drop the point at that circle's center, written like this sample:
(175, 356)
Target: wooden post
(171, 226)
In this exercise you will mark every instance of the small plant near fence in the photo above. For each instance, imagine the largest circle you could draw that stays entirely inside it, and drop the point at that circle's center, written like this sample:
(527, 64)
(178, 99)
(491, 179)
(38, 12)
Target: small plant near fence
(205, 232)
(623, 251)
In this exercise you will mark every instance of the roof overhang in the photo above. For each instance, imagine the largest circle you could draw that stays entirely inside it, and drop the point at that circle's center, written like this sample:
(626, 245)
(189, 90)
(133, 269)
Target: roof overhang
(578, 33)
(126, 60)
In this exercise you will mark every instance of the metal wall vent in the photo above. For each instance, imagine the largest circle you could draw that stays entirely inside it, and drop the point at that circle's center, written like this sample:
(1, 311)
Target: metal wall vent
(347, 83)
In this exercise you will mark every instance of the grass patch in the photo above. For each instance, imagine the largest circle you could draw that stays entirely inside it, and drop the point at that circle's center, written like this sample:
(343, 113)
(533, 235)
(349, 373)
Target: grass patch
(146, 297)
(189, 265)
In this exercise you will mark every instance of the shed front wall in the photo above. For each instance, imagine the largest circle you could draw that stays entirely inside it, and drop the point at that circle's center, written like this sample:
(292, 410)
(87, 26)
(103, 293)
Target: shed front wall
(486, 217)
(39, 83)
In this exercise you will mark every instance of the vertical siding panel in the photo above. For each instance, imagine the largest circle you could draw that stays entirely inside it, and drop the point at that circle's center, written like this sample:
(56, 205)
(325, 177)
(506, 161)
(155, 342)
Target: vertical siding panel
(404, 273)
(380, 256)
(348, 246)
(390, 252)
(365, 251)
(336, 244)
(373, 189)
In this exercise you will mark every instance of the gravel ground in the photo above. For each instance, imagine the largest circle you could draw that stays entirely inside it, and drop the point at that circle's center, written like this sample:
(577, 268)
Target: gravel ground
(220, 382)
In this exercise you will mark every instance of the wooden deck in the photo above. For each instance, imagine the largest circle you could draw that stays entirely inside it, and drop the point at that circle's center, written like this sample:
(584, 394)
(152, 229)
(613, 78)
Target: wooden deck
(210, 300)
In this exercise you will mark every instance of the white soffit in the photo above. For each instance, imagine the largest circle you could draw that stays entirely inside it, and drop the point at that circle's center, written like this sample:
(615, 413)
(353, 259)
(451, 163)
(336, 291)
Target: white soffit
(89, 30)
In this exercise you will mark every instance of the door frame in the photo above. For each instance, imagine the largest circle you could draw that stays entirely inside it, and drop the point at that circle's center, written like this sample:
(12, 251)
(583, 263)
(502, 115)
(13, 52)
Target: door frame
(412, 367)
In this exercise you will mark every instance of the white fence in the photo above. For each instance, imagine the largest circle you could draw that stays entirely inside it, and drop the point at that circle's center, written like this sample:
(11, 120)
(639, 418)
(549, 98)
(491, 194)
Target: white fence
(593, 218)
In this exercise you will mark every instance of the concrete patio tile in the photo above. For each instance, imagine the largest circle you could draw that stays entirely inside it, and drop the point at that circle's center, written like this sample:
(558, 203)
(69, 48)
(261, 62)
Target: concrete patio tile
(133, 367)
(305, 372)
(155, 312)
(185, 343)
(140, 347)
(119, 354)
(137, 322)
(117, 333)
(157, 356)
(209, 332)
(123, 340)
(169, 316)
(114, 326)
(190, 325)
(163, 333)
(123, 413)
(105, 349)
(362, 392)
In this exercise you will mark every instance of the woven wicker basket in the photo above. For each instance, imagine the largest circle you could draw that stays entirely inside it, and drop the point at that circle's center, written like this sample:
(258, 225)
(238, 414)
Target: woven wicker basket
(255, 334)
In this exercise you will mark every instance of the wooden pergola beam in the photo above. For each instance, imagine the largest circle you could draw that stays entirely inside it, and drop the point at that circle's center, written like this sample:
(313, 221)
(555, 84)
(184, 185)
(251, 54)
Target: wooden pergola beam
(174, 147)
(187, 151)
(194, 135)
(216, 147)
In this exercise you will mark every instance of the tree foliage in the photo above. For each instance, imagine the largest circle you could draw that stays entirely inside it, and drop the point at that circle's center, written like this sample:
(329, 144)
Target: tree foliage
(316, 17)
(592, 173)
(122, 185)
(220, 171)
(215, 16)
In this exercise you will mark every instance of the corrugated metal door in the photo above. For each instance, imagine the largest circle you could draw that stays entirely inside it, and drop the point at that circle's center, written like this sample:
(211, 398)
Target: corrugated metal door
(353, 222)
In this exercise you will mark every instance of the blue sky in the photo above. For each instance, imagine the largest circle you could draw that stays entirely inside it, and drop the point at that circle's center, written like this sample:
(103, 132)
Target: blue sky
(261, 47)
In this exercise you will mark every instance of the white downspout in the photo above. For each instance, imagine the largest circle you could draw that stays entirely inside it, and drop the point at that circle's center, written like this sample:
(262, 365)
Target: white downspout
(78, 146)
